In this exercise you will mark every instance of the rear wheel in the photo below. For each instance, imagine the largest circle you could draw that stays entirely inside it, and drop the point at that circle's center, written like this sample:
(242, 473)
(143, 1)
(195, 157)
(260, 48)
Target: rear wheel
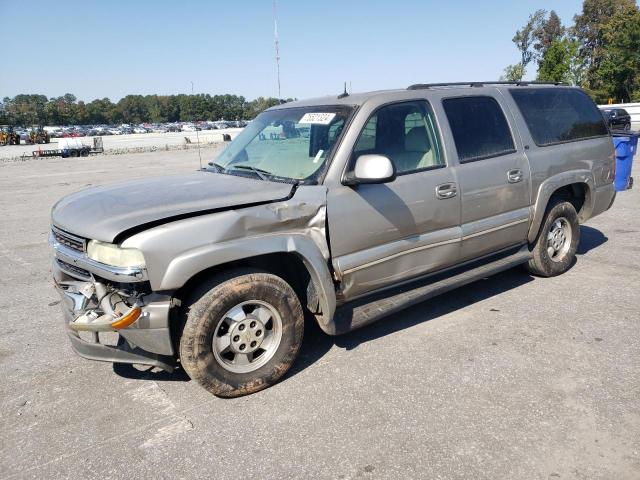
(555, 248)
(242, 333)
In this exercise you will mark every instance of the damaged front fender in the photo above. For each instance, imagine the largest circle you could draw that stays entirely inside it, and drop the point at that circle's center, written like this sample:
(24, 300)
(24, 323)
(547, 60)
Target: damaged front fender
(177, 251)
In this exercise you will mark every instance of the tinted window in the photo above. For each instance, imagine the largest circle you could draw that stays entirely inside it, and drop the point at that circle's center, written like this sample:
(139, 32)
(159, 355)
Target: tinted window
(556, 115)
(406, 133)
(480, 129)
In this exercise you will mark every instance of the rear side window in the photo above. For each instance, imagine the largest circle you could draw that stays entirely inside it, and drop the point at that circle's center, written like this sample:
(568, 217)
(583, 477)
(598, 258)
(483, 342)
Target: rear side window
(480, 129)
(558, 115)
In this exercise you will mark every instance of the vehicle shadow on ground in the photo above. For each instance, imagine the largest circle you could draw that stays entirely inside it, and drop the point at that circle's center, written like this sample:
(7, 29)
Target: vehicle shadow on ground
(316, 344)
(590, 238)
(141, 372)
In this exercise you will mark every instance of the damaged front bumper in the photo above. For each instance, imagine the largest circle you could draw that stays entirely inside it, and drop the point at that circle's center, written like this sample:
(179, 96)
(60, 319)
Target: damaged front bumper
(141, 320)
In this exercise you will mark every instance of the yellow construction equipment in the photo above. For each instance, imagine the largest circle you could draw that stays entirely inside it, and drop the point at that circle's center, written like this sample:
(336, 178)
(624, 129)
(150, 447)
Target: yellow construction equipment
(8, 136)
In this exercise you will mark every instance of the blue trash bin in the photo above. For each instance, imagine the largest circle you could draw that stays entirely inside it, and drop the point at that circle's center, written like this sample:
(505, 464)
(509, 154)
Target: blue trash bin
(626, 145)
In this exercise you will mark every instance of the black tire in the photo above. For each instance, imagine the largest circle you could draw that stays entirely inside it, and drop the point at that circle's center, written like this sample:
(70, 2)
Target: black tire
(544, 263)
(84, 152)
(205, 313)
(74, 153)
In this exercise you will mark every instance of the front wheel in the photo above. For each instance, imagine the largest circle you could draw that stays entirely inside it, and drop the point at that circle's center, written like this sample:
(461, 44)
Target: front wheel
(555, 248)
(242, 333)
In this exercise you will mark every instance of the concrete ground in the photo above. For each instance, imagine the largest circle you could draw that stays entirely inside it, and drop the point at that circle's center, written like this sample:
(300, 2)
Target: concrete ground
(512, 377)
(125, 142)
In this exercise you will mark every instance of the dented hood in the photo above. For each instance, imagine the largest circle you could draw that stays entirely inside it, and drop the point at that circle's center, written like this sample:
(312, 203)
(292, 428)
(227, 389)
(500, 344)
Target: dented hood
(103, 213)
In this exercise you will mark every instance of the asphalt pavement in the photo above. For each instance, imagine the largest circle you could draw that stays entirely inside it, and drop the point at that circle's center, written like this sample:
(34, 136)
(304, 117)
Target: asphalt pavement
(512, 377)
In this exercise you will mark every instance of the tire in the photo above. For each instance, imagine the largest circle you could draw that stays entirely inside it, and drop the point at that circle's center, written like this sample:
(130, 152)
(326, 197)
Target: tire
(244, 310)
(84, 152)
(555, 248)
(74, 153)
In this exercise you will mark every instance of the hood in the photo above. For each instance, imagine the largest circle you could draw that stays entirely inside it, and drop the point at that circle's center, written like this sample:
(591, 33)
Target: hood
(103, 213)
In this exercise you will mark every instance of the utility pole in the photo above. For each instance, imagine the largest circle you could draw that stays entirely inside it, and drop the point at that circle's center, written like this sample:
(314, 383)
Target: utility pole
(277, 45)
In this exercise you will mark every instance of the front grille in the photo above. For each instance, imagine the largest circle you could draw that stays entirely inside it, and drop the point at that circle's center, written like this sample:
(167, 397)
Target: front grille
(72, 269)
(69, 241)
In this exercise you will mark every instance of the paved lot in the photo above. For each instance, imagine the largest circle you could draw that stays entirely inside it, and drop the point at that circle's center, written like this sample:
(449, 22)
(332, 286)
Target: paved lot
(512, 377)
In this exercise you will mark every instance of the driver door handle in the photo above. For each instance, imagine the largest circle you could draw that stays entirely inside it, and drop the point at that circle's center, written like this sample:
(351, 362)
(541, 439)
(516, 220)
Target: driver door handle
(446, 190)
(515, 176)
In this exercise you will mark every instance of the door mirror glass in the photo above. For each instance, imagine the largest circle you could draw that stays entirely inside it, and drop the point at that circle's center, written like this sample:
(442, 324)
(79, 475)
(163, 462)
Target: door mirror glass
(372, 169)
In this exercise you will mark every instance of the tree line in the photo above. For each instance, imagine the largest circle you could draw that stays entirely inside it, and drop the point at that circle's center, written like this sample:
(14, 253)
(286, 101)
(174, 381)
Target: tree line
(34, 109)
(599, 52)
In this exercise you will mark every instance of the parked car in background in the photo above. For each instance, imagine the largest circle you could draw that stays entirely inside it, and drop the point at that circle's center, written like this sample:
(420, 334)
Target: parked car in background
(617, 118)
(140, 130)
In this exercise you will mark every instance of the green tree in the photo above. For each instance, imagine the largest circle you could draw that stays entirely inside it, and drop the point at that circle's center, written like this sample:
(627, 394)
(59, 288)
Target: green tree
(619, 72)
(550, 30)
(556, 64)
(526, 37)
(589, 30)
(513, 73)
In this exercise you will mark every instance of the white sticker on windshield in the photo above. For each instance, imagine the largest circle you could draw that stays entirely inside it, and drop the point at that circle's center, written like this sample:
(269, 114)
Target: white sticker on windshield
(317, 118)
(318, 156)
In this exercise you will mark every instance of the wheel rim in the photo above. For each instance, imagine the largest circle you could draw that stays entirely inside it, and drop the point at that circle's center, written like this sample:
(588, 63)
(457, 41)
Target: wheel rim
(247, 337)
(559, 239)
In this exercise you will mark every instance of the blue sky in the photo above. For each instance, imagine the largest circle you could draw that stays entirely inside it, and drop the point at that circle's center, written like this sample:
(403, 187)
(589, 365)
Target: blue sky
(113, 48)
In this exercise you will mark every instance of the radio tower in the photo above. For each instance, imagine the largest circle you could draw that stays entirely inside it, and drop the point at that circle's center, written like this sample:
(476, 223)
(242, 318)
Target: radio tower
(277, 44)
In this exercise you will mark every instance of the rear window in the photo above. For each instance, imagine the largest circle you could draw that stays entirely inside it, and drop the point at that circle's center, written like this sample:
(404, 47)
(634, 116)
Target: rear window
(480, 129)
(558, 115)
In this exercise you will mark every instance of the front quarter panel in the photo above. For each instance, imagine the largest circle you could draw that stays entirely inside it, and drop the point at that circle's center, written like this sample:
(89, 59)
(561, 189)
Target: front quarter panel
(177, 251)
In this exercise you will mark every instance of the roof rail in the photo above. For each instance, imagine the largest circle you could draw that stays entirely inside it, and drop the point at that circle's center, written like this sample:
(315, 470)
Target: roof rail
(523, 83)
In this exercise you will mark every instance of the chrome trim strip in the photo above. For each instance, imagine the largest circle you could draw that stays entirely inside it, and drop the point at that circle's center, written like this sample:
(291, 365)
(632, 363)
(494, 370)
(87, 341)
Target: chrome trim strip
(495, 229)
(115, 274)
(396, 255)
(432, 245)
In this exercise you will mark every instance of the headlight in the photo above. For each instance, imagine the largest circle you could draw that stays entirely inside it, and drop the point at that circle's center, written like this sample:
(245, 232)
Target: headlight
(111, 254)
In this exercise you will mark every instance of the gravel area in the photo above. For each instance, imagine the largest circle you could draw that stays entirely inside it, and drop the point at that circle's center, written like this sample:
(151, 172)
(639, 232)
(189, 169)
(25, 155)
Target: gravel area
(512, 377)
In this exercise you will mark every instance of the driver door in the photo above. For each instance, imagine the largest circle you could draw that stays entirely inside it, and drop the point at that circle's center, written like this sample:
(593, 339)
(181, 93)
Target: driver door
(383, 234)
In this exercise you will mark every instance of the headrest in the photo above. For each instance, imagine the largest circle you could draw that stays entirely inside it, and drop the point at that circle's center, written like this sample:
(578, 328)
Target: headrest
(416, 140)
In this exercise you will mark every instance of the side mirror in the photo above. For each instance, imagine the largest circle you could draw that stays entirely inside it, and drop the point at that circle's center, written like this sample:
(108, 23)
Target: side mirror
(371, 169)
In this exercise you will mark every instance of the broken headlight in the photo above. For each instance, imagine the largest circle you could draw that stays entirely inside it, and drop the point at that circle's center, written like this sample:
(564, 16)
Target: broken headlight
(113, 255)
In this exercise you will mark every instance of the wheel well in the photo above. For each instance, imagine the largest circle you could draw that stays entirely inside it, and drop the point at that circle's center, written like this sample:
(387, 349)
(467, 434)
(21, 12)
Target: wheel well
(574, 193)
(287, 266)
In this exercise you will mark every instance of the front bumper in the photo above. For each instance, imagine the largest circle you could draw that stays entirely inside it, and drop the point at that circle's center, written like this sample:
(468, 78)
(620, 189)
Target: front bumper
(147, 341)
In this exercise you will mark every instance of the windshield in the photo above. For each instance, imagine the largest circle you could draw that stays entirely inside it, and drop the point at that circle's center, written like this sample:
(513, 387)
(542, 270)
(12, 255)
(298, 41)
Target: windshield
(290, 144)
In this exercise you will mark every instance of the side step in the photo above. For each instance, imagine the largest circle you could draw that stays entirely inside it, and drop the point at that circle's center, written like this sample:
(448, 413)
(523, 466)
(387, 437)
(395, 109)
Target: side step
(361, 312)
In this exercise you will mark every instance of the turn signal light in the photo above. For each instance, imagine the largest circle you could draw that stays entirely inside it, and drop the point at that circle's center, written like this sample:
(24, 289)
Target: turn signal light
(128, 318)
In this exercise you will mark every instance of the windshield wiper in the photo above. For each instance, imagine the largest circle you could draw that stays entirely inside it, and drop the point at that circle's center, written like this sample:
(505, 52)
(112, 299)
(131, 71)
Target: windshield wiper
(258, 171)
(219, 168)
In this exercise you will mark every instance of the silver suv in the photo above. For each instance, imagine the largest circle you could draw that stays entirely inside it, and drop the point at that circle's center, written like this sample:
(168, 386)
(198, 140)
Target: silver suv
(341, 209)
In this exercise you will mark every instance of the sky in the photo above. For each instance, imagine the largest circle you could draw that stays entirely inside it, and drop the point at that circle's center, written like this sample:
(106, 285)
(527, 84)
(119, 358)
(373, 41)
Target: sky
(97, 49)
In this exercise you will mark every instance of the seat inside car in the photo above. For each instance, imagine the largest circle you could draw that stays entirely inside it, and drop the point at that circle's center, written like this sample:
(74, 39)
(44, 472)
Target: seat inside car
(417, 151)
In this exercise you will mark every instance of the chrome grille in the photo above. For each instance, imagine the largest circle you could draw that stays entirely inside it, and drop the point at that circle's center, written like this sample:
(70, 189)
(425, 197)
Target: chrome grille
(72, 269)
(68, 240)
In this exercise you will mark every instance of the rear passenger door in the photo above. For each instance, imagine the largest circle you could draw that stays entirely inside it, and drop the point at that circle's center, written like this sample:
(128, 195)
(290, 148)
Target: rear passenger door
(493, 174)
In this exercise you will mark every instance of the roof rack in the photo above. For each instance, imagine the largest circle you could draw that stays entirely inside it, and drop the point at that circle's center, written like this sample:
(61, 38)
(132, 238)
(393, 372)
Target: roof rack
(420, 86)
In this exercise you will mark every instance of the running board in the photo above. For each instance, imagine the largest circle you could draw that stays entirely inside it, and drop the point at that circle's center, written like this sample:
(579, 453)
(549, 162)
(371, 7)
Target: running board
(359, 313)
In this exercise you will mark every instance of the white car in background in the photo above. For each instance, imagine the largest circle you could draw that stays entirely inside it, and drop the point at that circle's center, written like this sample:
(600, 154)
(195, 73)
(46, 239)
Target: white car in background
(140, 130)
